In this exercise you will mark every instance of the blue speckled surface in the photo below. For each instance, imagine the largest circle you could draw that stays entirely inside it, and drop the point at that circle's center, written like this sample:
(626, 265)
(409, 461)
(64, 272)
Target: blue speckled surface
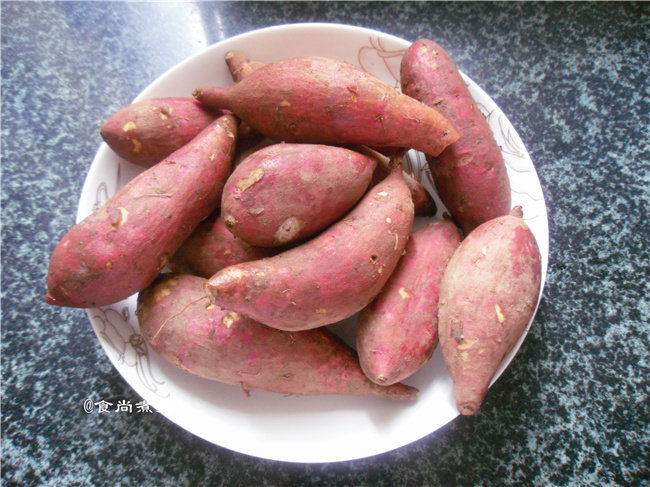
(572, 409)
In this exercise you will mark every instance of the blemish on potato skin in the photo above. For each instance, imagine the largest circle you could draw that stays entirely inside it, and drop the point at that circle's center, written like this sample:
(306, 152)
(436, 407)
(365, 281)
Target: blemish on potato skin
(230, 221)
(499, 313)
(137, 145)
(467, 344)
(230, 318)
(128, 126)
(289, 229)
(254, 176)
(160, 293)
(117, 216)
(403, 293)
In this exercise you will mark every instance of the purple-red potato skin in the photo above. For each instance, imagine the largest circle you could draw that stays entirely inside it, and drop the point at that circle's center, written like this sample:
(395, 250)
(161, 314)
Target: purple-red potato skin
(179, 322)
(470, 175)
(211, 247)
(330, 277)
(398, 331)
(147, 131)
(121, 247)
(285, 193)
(323, 101)
(423, 202)
(488, 296)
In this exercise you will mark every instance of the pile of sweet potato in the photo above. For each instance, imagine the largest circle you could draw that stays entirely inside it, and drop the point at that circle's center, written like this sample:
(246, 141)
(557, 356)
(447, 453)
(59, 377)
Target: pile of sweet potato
(274, 207)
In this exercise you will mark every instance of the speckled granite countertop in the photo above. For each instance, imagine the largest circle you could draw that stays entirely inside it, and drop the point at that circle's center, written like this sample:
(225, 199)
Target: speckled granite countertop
(572, 409)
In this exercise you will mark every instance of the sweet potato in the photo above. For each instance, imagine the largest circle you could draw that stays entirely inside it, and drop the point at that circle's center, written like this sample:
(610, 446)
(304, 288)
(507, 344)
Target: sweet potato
(285, 193)
(147, 131)
(178, 322)
(398, 331)
(330, 277)
(488, 296)
(470, 175)
(324, 101)
(120, 248)
(211, 247)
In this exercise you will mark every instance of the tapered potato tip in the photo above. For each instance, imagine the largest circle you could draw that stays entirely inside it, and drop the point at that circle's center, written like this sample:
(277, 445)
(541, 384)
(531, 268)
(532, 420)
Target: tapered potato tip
(517, 212)
(240, 65)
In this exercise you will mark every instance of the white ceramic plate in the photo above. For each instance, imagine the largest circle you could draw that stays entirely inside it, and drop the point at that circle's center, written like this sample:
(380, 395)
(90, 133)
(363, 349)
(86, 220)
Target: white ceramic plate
(268, 425)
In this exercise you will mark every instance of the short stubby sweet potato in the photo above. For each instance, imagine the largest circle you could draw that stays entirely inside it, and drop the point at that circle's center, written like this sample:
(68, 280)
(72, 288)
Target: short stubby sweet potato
(470, 175)
(179, 322)
(488, 295)
(330, 277)
(398, 331)
(324, 101)
(121, 247)
(211, 247)
(147, 131)
(285, 193)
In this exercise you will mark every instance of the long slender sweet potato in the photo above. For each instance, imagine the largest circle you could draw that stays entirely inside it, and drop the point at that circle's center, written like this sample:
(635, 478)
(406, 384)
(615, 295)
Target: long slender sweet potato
(211, 247)
(319, 100)
(178, 322)
(285, 193)
(488, 296)
(398, 331)
(120, 248)
(470, 175)
(147, 131)
(330, 277)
